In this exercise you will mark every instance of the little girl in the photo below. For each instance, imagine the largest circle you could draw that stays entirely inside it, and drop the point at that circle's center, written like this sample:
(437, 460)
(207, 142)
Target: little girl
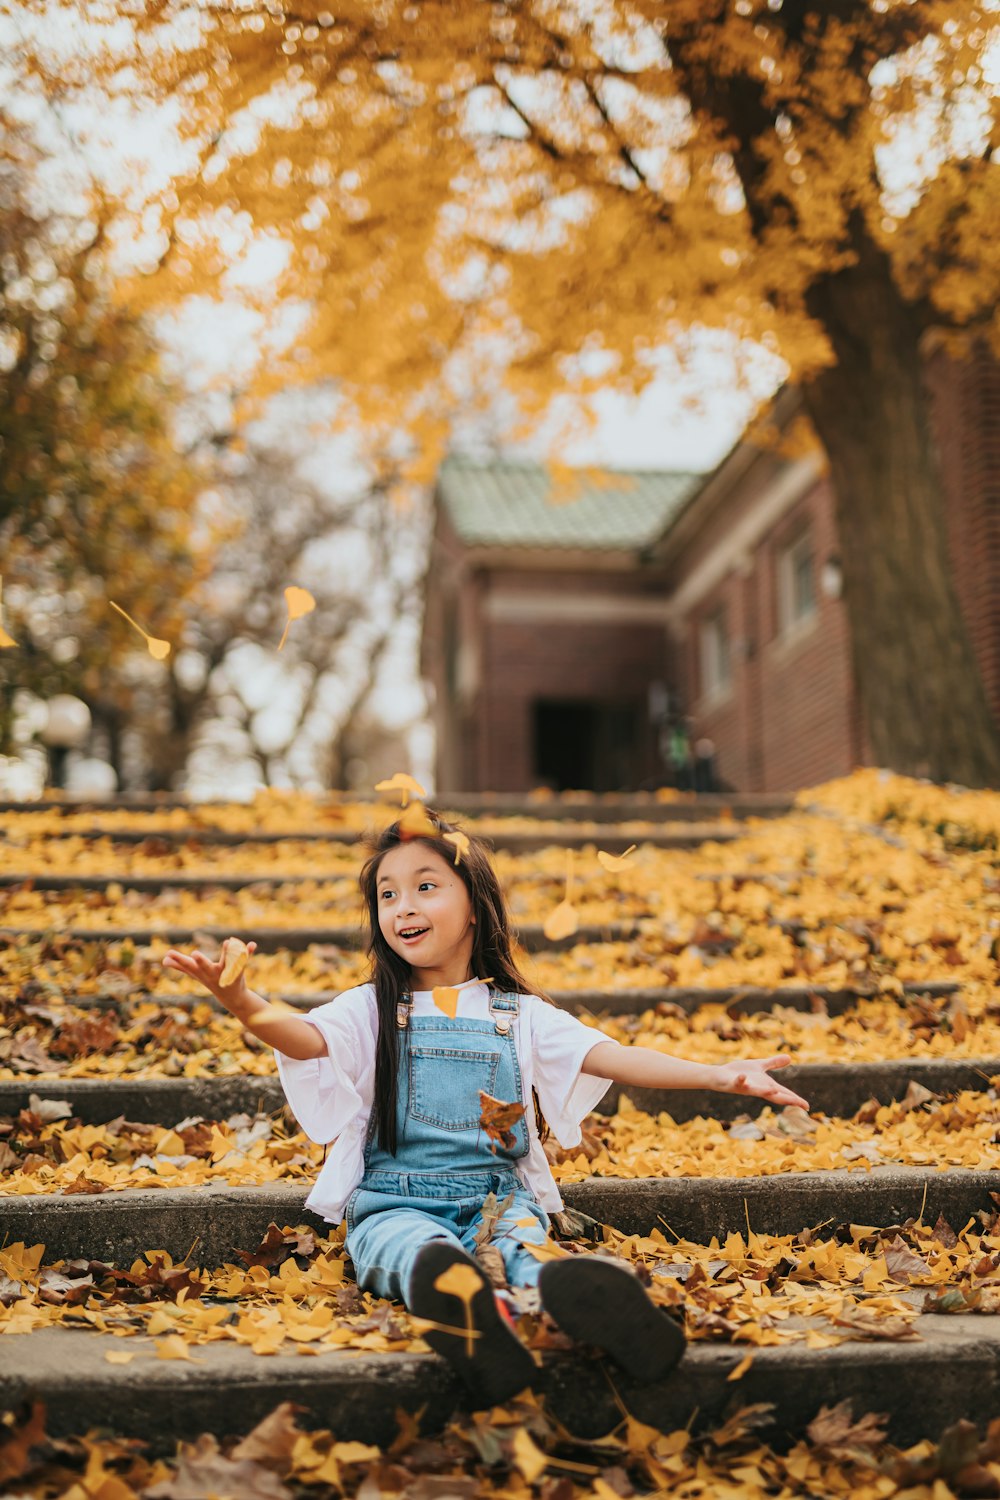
(394, 1081)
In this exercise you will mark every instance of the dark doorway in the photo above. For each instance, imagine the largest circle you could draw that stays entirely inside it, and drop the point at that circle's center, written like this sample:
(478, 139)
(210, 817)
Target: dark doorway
(587, 746)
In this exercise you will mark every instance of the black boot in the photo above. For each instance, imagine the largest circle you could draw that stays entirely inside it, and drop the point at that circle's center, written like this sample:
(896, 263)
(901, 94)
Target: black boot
(494, 1363)
(602, 1302)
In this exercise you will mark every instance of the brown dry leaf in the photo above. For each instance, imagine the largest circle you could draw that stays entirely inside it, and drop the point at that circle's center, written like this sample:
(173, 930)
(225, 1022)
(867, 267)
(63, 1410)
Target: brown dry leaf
(203, 1471)
(300, 602)
(236, 956)
(403, 783)
(15, 1450)
(497, 1118)
(274, 1438)
(901, 1262)
(834, 1431)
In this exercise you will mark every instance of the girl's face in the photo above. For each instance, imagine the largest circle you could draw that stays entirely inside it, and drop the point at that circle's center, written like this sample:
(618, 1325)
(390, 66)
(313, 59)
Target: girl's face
(425, 915)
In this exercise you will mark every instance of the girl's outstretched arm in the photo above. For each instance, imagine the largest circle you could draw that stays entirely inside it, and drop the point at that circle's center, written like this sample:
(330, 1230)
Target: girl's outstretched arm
(646, 1068)
(272, 1023)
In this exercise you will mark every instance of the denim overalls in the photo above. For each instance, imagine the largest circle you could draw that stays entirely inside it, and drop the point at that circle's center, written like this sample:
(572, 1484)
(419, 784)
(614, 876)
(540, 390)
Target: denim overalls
(445, 1164)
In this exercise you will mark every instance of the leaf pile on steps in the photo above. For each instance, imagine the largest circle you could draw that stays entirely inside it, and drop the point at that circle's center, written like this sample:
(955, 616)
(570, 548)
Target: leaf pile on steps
(295, 1291)
(510, 1453)
(47, 1149)
(41, 1036)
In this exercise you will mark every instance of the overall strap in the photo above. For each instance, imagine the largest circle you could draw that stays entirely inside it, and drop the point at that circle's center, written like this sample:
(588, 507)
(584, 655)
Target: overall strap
(504, 1010)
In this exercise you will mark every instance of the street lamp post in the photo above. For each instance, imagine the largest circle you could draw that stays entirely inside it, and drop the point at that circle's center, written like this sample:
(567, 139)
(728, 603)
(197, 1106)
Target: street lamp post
(67, 728)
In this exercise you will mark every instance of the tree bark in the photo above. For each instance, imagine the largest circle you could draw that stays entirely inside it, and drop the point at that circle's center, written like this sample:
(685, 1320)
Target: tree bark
(922, 696)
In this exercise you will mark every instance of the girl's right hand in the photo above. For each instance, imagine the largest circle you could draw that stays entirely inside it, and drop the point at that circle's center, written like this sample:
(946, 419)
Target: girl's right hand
(209, 973)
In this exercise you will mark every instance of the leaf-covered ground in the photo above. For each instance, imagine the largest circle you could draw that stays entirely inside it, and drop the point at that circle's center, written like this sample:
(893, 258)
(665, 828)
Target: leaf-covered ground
(63, 1155)
(879, 882)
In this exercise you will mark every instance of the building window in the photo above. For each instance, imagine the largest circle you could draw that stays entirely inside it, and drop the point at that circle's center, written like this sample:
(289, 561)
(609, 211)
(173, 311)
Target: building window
(716, 665)
(796, 585)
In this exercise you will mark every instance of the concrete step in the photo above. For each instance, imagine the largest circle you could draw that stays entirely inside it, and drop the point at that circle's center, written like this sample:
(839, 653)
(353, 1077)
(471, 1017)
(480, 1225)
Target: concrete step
(123, 1224)
(296, 939)
(952, 1373)
(703, 807)
(738, 999)
(516, 840)
(836, 1090)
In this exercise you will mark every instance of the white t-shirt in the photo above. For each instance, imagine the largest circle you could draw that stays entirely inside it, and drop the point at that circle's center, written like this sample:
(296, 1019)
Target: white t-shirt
(332, 1096)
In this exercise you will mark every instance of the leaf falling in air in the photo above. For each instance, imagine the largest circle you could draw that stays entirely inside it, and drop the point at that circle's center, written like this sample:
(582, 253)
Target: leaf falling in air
(498, 1117)
(615, 862)
(156, 648)
(8, 640)
(415, 824)
(300, 602)
(445, 997)
(237, 956)
(563, 921)
(461, 842)
(403, 783)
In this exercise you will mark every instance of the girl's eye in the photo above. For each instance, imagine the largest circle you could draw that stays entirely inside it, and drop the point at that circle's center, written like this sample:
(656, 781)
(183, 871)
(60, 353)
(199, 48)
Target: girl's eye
(427, 885)
(386, 893)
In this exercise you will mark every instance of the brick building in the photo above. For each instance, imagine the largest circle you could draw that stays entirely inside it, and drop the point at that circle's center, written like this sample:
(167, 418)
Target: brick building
(554, 630)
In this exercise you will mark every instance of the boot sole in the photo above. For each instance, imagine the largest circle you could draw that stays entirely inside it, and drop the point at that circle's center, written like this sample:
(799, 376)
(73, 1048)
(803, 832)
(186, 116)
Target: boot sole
(598, 1302)
(499, 1365)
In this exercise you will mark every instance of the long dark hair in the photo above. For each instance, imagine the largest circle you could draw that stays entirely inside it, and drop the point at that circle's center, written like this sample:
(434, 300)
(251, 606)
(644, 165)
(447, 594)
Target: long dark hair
(492, 953)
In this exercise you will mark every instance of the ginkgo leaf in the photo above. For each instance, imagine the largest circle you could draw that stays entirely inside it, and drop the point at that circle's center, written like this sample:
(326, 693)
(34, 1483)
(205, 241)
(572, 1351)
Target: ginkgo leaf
(300, 602)
(460, 1280)
(414, 823)
(561, 922)
(528, 1457)
(614, 862)
(740, 1370)
(236, 955)
(174, 1347)
(445, 997)
(156, 648)
(119, 1356)
(403, 783)
(461, 842)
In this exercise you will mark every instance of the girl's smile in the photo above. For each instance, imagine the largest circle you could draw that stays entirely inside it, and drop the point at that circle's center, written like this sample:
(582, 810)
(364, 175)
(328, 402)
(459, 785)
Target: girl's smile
(424, 911)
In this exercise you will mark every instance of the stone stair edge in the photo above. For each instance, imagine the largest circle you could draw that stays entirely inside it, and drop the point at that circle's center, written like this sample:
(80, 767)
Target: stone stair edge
(738, 999)
(123, 1224)
(833, 1089)
(225, 1388)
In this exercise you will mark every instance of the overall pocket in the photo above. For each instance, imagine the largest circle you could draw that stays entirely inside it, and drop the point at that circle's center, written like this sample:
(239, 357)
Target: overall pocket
(445, 1084)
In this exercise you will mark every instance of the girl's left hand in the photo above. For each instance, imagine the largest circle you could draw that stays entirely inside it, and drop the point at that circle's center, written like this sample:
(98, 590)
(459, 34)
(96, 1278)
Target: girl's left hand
(751, 1075)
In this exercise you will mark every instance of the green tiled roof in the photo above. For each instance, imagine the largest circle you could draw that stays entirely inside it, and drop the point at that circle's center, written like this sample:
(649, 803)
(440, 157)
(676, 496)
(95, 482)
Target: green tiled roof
(508, 505)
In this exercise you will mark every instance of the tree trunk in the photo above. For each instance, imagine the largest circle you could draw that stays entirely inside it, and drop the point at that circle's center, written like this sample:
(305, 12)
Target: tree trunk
(922, 697)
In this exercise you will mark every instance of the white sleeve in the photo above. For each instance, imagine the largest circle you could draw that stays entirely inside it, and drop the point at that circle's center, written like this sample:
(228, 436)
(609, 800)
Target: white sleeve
(325, 1094)
(560, 1043)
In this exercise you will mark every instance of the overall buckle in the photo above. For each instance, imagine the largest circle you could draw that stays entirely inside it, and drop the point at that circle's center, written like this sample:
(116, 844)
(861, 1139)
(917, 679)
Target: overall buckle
(504, 1016)
(403, 1014)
